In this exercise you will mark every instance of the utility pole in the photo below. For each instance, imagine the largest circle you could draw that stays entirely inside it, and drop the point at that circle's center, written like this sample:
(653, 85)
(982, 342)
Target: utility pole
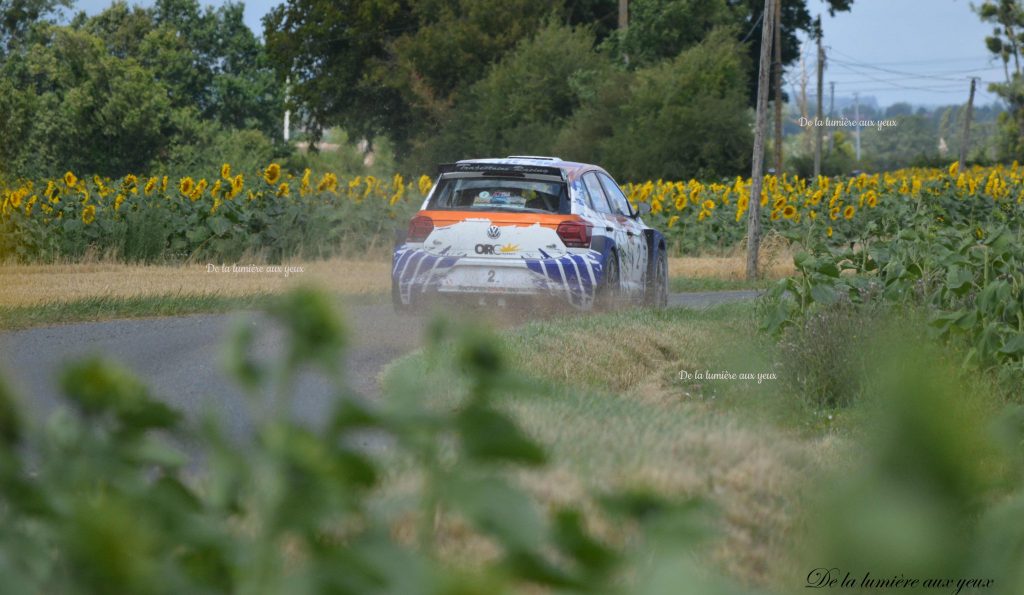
(818, 119)
(623, 23)
(777, 83)
(966, 138)
(856, 118)
(831, 114)
(757, 169)
(287, 112)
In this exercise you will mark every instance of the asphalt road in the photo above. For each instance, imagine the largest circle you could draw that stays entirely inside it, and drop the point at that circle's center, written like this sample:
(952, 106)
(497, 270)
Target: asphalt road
(180, 358)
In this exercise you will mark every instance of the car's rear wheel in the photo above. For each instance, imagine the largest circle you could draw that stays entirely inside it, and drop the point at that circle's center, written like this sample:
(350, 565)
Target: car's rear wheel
(396, 300)
(656, 292)
(609, 293)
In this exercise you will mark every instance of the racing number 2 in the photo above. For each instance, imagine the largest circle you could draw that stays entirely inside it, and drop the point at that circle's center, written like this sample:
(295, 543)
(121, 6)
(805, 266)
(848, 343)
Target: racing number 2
(490, 276)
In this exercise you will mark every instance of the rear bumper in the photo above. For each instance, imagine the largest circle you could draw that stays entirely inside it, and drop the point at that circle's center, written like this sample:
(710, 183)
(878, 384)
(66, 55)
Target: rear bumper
(573, 277)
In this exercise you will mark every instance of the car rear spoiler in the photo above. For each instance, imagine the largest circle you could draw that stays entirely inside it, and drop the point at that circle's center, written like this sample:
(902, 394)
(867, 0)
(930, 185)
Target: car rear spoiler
(513, 169)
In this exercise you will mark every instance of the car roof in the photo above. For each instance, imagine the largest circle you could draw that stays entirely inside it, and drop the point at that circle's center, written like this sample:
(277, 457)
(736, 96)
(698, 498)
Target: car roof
(572, 169)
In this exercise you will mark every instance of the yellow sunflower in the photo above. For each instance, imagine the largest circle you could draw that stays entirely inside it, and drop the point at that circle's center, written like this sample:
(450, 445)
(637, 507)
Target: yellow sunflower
(789, 211)
(197, 193)
(848, 212)
(186, 186)
(237, 183)
(828, 232)
(89, 214)
(130, 184)
(225, 171)
(283, 190)
(150, 185)
(70, 180)
(272, 174)
(425, 183)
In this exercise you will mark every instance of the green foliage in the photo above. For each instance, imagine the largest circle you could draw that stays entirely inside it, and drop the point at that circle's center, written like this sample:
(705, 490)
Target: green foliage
(661, 29)
(449, 66)
(1005, 43)
(521, 104)
(106, 501)
(961, 260)
(674, 120)
(824, 355)
(939, 479)
(133, 89)
(19, 17)
(684, 118)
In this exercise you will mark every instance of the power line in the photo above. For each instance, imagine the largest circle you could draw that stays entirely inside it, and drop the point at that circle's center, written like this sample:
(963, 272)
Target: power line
(852, 61)
(850, 71)
(932, 61)
(752, 27)
(907, 87)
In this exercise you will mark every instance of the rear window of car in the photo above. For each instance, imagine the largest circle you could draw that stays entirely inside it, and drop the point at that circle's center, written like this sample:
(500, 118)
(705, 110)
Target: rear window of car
(490, 193)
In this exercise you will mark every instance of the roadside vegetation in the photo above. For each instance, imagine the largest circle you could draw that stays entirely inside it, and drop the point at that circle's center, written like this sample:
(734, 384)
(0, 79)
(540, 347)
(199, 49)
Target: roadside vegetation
(514, 462)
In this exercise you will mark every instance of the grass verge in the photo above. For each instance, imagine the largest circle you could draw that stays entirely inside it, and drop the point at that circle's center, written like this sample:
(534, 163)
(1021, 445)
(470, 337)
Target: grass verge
(616, 415)
(696, 284)
(94, 309)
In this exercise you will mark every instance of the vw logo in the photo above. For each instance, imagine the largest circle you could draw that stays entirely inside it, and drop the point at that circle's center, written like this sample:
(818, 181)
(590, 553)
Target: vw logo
(493, 232)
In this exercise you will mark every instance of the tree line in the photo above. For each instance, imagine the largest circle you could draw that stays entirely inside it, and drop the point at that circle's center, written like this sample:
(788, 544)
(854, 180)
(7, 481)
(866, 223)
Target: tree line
(178, 87)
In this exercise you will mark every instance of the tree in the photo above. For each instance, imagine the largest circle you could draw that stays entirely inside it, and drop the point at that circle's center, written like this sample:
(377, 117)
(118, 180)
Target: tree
(18, 17)
(389, 66)
(686, 117)
(522, 102)
(326, 51)
(1006, 42)
(135, 88)
(78, 107)
(661, 29)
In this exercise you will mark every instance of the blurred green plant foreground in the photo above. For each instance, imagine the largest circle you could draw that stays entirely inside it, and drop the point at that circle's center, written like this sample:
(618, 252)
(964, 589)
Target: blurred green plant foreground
(101, 499)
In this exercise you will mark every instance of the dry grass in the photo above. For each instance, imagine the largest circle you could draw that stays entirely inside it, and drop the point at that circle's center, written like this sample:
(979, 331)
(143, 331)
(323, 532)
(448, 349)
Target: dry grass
(622, 419)
(35, 284)
(775, 262)
(27, 285)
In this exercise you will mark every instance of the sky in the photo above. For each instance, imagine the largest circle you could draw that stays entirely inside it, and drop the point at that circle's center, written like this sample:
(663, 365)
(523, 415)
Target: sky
(918, 51)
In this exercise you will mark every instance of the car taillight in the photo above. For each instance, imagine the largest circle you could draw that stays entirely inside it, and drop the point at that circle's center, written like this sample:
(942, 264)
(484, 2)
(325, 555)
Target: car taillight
(419, 228)
(575, 234)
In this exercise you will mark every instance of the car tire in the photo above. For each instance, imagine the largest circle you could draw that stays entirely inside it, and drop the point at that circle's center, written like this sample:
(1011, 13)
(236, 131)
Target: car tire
(609, 294)
(656, 292)
(396, 300)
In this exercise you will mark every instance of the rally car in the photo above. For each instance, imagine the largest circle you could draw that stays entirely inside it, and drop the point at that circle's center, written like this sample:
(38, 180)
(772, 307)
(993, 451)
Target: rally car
(495, 230)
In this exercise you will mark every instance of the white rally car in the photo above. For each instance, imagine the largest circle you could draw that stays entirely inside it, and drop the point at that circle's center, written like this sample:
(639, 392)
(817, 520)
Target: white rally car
(492, 230)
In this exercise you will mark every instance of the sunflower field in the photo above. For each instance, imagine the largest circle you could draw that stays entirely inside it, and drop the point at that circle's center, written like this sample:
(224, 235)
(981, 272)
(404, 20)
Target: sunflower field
(268, 214)
(708, 217)
(274, 214)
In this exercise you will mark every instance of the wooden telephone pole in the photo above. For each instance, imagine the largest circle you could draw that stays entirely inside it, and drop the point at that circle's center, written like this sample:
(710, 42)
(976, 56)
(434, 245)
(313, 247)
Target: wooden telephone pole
(777, 83)
(818, 115)
(623, 14)
(966, 138)
(757, 170)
